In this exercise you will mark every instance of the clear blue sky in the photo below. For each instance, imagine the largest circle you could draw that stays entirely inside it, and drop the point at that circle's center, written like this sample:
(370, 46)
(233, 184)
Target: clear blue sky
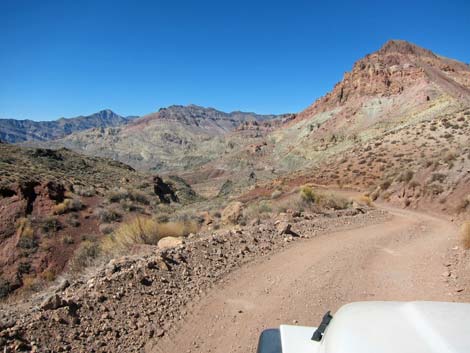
(66, 58)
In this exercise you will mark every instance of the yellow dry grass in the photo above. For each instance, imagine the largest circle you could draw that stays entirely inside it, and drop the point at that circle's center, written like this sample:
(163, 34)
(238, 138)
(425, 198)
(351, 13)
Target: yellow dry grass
(144, 231)
(365, 200)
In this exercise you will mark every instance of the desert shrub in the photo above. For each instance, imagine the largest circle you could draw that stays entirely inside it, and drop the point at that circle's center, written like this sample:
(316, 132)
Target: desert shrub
(333, 201)
(85, 255)
(265, 207)
(30, 283)
(68, 205)
(465, 234)
(130, 195)
(129, 206)
(440, 177)
(293, 202)
(5, 288)
(162, 218)
(414, 184)
(385, 184)
(117, 196)
(24, 267)
(67, 239)
(434, 189)
(258, 210)
(108, 215)
(49, 225)
(139, 197)
(106, 228)
(48, 275)
(26, 234)
(405, 176)
(307, 194)
(86, 191)
(72, 220)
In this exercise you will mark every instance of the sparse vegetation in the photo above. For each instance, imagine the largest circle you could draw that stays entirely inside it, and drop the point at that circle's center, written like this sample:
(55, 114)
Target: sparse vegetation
(108, 215)
(307, 194)
(85, 255)
(365, 200)
(26, 234)
(68, 205)
(130, 195)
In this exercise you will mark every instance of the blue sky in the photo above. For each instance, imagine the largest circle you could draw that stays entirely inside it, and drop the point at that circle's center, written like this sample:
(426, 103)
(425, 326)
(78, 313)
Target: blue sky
(67, 58)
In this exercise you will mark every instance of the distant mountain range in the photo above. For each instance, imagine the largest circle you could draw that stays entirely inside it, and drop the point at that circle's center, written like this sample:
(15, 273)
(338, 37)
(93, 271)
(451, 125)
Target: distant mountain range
(173, 138)
(14, 131)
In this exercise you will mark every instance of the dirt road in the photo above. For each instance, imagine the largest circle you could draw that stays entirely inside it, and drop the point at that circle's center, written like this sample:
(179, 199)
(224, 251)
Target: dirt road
(402, 259)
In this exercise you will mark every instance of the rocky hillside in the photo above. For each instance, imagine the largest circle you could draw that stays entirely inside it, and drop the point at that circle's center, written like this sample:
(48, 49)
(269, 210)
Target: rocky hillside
(397, 124)
(173, 139)
(54, 201)
(14, 131)
(401, 84)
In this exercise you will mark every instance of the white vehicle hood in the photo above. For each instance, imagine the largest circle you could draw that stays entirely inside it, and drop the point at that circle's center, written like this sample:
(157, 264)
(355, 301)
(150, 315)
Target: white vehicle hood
(387, 327)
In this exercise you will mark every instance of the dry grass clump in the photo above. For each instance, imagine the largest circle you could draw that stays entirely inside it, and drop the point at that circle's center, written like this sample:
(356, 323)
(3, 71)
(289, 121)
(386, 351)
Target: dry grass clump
(138, 231)
(405, 176)
(67, 206)
(145, 231)
(108, 215)
(333, 201)
(307, 194)
(87, 191)
(465, 234)
(385, 184)
(323, 200)
(260, 209)
(50, 225)
(131, 195)
(85, 255)
(26, 234)
(365, 200)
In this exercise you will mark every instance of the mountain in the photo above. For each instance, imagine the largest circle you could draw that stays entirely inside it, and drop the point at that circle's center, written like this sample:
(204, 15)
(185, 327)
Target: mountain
(174, 138)
(398, 85)
(14, 131)
(398, 125)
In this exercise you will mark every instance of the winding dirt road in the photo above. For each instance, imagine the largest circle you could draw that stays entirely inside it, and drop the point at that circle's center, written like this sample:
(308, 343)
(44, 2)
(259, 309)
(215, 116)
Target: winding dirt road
(401, 259)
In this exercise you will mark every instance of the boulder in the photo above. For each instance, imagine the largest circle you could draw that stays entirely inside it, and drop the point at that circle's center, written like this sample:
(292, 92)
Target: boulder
(53, 302)
(283, 228)
(169, 242)
(233, 213)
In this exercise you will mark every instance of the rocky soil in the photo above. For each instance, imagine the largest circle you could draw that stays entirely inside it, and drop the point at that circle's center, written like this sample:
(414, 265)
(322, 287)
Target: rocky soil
(136, 300)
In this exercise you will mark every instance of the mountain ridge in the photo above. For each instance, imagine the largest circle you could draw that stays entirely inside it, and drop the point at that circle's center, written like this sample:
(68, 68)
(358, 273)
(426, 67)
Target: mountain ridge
(14, 131)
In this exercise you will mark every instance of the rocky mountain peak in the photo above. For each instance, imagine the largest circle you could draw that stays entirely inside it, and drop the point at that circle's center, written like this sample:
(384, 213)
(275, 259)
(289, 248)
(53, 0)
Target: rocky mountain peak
(403, 47)
(392, 70)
